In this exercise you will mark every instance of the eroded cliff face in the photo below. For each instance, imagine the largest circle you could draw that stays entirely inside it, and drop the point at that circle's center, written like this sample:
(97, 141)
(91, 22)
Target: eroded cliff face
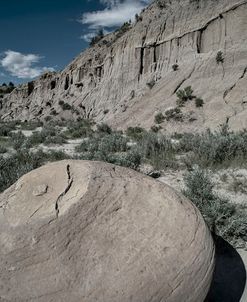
(109, 82)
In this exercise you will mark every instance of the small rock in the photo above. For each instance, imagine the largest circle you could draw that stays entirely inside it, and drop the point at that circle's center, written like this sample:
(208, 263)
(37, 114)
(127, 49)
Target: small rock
(155, 174)
(40, 190)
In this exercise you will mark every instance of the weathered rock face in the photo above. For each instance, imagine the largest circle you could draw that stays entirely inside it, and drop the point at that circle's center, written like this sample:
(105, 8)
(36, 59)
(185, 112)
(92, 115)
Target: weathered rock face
(108, 82)
(89, 231)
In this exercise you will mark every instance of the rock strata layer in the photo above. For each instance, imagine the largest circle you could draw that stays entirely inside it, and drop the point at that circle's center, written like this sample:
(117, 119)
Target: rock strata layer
(128, 77)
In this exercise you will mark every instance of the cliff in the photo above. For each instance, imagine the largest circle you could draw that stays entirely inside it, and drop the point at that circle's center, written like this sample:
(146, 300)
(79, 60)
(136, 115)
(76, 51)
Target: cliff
(129, 77)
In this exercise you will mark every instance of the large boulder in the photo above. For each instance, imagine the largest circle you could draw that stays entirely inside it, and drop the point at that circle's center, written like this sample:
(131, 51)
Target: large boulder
(90, 231)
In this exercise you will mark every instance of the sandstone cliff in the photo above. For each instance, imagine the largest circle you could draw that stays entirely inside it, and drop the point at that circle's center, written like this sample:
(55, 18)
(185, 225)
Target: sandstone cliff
(127, 79)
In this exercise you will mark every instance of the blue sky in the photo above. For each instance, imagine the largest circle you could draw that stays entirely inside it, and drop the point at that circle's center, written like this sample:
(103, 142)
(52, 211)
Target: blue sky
(41, 35)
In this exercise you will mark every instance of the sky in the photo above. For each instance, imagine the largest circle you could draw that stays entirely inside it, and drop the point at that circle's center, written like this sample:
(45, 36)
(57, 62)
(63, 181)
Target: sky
(45, 35)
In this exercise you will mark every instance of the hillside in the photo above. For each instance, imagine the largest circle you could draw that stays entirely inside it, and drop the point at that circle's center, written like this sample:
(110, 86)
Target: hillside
(6, 89)
(129, 77)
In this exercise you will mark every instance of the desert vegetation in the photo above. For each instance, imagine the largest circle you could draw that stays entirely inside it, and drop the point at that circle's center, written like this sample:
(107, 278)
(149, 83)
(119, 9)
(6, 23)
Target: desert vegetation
(220, 57)
(99, 36)
(223, 217)
(197, 155)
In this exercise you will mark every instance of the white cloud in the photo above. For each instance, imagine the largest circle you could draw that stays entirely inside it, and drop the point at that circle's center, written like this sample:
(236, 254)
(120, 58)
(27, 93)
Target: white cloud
(110, 3)
(88, 37)
(23, 66)
(115, 14)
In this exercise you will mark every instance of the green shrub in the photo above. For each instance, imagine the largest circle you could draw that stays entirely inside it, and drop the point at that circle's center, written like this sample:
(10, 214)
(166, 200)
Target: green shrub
(48, 118)
(104, 128)
(110, 143)
(36, 138)
(199, 102)
(155, 128)
(174, 114)
(22, 162)
(220, 57)
(99, 36)
(48, 135)
(52, 155)
(54, 112)
(17, 140)
(184, 95)
(159, 118)
(6, 128)
(79, 129)
(32, 125)
(130, 159)
(215, 149)
(66, 106)
(3, 150)
(226, 219)
(135, 133)
(157, 150)
(123, 29)
(15, 166)
(55, 140)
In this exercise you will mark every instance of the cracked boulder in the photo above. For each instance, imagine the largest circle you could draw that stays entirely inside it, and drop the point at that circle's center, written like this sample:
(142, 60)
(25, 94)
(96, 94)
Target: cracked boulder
(90, 231)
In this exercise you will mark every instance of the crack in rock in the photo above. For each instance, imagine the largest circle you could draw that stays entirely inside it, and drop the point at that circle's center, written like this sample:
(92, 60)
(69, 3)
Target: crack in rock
(70, 182)
(234, 85)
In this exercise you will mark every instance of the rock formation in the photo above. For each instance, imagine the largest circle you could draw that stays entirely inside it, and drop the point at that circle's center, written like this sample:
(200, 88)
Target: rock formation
(128, 77)
(89, 231)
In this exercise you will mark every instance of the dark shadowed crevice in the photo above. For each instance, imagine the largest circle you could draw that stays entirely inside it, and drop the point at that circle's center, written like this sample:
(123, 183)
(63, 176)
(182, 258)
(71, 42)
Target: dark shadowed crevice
(66, 84)
(30, 88)
(230, 275)
(53, 84)
(141, 61)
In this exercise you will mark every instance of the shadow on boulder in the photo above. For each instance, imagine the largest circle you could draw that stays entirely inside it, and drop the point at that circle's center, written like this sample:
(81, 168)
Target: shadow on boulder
(230, 275)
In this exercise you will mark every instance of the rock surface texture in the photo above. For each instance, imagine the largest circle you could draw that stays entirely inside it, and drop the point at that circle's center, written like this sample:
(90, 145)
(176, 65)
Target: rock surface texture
(89, 231)
(128, 77)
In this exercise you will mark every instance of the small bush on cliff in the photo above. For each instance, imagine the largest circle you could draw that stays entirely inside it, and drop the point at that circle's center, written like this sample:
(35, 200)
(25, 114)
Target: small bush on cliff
(174, 114)
(184, 95)
(65, 106)
(104, 128)
(199, 102)
(123, 29)
(99, 36)
(220, 57)
(159, 118)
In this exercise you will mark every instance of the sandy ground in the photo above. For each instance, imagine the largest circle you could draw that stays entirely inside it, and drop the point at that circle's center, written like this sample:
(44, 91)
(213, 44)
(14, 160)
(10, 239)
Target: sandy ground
(68, 148)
